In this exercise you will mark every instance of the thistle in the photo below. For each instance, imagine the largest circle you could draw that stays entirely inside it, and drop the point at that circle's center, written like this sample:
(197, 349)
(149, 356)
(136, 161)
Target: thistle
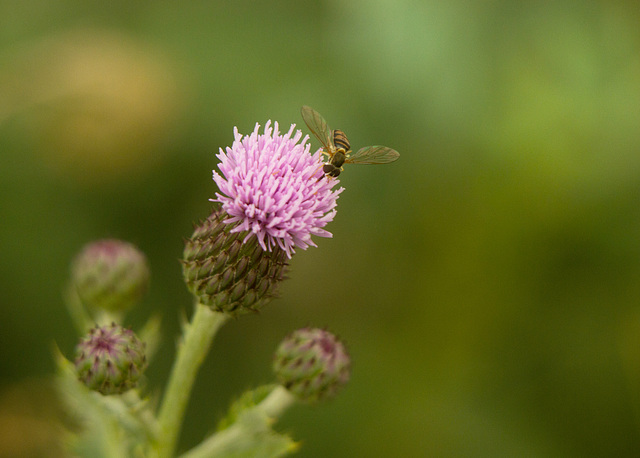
(272, 199)
(111, 275)
(312, 364)
(110, 359)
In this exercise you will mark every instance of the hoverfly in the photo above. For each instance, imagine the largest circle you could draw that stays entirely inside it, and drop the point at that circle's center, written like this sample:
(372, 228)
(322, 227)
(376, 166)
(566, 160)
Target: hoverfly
(337, 147)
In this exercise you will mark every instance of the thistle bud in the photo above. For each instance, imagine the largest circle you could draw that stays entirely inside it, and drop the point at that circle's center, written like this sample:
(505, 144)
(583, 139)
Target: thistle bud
(110, 274)
(312, 364)
(229, 271)
(110, 359)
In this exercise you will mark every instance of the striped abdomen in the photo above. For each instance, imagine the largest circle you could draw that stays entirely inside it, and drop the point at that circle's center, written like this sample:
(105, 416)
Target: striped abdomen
(340, 141)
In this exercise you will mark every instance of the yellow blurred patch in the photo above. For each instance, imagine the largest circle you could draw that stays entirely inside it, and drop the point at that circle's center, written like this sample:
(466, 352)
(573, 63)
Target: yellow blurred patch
(30, 420)
(96, 104)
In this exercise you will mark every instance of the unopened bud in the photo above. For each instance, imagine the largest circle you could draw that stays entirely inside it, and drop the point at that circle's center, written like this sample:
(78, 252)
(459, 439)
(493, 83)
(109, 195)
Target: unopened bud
(312, 364)
(110, 359)
(110, 274)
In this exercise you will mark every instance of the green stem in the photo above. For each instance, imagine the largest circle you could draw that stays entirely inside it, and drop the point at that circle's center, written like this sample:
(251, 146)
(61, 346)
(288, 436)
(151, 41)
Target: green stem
(193, 348)
(240, 438)
(81, 319)
(278, 401)
(219, 444)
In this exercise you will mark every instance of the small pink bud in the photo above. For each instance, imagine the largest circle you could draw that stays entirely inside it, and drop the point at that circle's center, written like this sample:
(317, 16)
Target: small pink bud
(312, 364)
(110, 274)
(110, 359)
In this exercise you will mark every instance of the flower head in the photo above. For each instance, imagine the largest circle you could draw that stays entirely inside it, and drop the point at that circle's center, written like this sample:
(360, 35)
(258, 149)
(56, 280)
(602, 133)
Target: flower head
(271, 186)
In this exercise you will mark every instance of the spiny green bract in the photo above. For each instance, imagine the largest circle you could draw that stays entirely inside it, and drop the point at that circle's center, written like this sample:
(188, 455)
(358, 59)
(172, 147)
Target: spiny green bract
(227, 273)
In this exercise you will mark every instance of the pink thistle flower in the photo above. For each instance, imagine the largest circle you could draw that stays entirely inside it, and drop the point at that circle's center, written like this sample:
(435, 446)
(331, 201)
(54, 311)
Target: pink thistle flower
(271, 186)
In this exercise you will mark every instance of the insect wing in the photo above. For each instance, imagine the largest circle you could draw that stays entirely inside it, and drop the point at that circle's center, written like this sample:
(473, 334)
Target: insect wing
(316, 124)
(373, 155)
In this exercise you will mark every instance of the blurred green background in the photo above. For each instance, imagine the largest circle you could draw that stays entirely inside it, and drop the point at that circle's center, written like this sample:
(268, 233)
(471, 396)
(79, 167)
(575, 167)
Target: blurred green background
(487, 284)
